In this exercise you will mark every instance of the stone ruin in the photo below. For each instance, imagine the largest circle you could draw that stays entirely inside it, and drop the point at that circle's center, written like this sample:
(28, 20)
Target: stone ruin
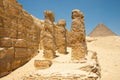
(49, 35)
(21, 35)
(61, 41)
(77, 36)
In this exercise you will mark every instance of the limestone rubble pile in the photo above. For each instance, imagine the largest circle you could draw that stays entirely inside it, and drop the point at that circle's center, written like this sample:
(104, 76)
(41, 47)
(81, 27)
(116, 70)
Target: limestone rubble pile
(77, 36)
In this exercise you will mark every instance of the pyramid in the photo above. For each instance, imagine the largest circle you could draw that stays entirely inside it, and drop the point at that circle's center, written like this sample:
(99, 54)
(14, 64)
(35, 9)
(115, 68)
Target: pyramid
(101, 31)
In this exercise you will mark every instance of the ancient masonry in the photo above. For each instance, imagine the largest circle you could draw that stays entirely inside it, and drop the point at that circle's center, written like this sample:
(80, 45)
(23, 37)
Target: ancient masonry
(21, 35)
(61, 40)
(77, 36)
(48, 35)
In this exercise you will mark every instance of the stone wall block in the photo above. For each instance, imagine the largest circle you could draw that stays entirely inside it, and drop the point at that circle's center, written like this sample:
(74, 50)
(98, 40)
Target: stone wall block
(5, 42)
(21, 43)
(50, 54)
(6, 60)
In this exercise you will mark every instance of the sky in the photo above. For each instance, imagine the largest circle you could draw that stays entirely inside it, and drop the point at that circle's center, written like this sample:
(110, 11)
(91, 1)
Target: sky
(95, 11)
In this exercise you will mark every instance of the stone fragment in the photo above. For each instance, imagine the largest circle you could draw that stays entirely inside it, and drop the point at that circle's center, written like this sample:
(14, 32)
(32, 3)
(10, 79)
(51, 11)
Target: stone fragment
(77, 36)
(6, 60)
(50, 54)
(42, 64)
(21, 57)
(5, 42)
(19, 31)
(61, 41)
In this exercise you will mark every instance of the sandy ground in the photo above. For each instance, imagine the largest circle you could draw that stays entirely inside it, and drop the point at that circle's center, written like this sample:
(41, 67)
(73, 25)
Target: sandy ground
(108, 52)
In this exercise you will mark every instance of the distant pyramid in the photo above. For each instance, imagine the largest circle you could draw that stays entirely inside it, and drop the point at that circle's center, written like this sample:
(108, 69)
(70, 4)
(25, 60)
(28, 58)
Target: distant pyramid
(101, 31)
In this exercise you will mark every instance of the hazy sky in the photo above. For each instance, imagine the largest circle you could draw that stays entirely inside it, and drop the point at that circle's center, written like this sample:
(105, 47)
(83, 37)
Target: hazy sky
(95, 11)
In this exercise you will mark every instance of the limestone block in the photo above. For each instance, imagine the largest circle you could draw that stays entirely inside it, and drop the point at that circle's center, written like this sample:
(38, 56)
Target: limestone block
(49, 15)
(1, 22)
(2, 52)
(21, 43)
(5, 42)
(11, 10)
(78, 52)
(50, 54)
(21, 28)
(7, 23)
(32, 45)
(32, 52)
(21, 57)
(13, 34)
(62, 50)
(6, 31)
(49, 45)
(1, 10)
(6, 61)
(1, 31)
(21, 35)
(20, 53)
(42, 64)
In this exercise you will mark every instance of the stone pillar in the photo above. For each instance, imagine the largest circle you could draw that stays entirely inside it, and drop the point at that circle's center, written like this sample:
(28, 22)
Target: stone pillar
(61, 41)
(77, 36)
(48, 35)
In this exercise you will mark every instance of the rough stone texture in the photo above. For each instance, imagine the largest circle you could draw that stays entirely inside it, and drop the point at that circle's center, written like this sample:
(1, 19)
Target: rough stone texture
(101, 31)
(19, 36)
(48, 35)
(77, 36)
(60, 37)
(87, 69)
(42, 64)
(6, 60)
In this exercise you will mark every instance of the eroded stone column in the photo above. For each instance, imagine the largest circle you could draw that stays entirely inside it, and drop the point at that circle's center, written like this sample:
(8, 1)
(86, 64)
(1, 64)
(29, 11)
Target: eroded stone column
(77, 36)
(48, 36)
(61, 37)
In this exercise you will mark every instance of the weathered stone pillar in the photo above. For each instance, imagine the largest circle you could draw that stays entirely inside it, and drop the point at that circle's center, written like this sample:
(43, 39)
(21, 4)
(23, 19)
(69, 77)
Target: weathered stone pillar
(77, 36)
(61, 41)
(48, 36)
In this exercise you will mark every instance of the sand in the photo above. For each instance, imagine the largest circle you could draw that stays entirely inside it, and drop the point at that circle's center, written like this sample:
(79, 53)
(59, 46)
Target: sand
(108, 53)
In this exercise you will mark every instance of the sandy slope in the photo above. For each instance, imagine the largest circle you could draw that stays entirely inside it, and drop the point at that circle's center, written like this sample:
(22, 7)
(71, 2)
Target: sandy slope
(62, 65)
(108, 50)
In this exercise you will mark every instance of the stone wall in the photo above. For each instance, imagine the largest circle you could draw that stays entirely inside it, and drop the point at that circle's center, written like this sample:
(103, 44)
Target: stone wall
(19, 36)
